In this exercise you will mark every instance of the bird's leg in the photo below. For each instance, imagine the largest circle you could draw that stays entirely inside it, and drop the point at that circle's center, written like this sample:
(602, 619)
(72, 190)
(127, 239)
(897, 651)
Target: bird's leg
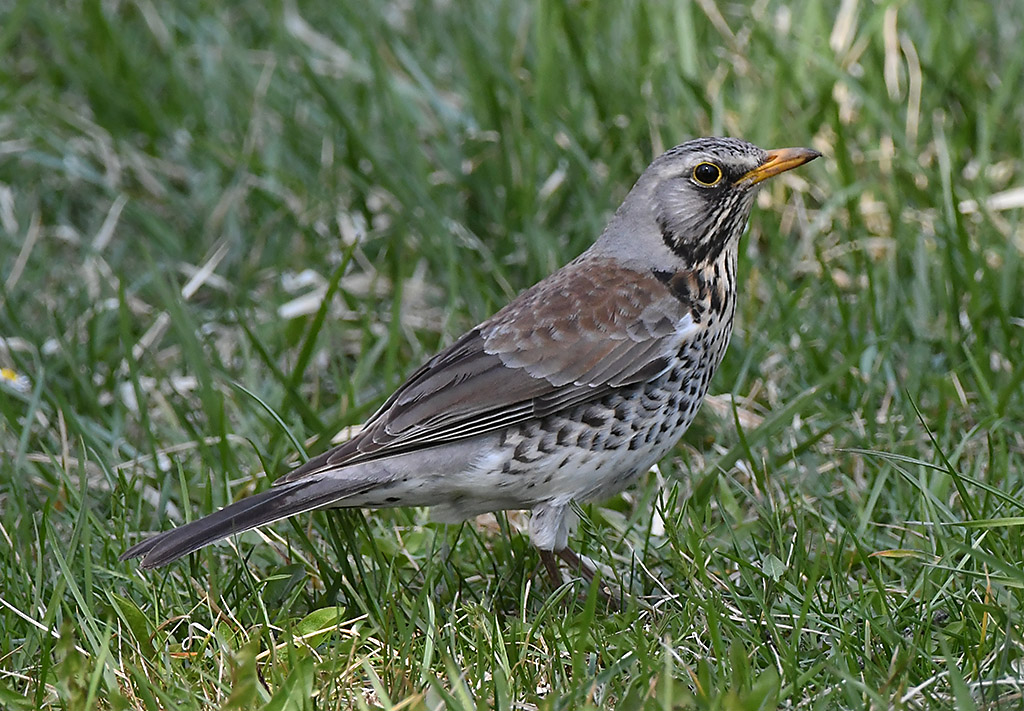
(577, 564)
(608, 592)
(551, 565)
(446, 558)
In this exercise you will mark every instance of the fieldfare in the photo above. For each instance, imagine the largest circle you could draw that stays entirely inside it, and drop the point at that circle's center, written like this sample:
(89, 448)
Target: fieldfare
(567, 394)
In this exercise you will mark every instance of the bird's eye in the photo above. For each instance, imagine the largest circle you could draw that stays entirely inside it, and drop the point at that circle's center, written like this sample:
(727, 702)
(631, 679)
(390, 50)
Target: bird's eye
(707, 174)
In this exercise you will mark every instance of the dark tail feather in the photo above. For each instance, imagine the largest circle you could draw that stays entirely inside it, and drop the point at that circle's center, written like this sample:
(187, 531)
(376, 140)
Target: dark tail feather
(252, 512)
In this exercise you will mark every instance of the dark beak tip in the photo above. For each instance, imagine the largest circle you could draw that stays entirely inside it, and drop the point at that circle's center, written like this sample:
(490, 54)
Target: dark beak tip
(803, 155)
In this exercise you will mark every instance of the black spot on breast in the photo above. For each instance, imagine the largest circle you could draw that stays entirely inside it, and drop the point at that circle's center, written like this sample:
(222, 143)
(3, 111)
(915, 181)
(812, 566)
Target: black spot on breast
(716, 300)
(547, 443)
(586, 438)
(522, 453)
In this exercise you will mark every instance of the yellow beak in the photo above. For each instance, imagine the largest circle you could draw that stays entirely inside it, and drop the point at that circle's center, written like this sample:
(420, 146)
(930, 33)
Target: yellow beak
(779, 161)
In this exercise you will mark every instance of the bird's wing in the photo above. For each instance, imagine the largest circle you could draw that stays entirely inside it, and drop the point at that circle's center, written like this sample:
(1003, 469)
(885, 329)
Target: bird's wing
(591, 327)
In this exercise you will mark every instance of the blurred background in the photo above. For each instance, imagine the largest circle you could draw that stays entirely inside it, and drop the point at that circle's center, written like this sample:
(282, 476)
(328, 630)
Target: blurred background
(228, 230)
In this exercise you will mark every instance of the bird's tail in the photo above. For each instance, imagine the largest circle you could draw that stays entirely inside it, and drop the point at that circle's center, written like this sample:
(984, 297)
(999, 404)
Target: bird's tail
(260, 509)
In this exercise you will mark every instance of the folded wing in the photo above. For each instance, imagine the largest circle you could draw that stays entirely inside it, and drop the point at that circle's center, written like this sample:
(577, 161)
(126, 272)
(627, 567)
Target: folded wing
(590, 328)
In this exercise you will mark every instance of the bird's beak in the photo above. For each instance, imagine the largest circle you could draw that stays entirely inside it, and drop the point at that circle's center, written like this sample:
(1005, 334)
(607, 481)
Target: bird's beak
(779, 161)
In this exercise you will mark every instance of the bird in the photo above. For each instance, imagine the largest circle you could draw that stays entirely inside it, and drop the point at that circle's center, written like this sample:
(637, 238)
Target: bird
(567, 394)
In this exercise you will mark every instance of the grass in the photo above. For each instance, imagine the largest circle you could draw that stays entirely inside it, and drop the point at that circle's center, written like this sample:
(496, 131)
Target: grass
(227, 232)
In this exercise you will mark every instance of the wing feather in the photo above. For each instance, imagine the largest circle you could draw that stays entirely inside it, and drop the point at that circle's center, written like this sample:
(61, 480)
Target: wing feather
(588, 329)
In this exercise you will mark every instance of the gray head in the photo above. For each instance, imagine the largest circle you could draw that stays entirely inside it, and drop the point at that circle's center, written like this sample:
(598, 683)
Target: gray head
(698, 196)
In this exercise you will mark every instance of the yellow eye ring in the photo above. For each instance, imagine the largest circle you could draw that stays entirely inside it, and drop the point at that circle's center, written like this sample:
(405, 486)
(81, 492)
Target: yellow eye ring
(707, 174)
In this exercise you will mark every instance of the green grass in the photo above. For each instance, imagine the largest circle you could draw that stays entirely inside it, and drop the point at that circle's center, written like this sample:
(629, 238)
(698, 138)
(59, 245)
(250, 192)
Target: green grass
(227, 230)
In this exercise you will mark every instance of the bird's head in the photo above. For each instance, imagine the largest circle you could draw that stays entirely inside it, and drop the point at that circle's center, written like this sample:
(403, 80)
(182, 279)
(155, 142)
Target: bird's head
(700, 193)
